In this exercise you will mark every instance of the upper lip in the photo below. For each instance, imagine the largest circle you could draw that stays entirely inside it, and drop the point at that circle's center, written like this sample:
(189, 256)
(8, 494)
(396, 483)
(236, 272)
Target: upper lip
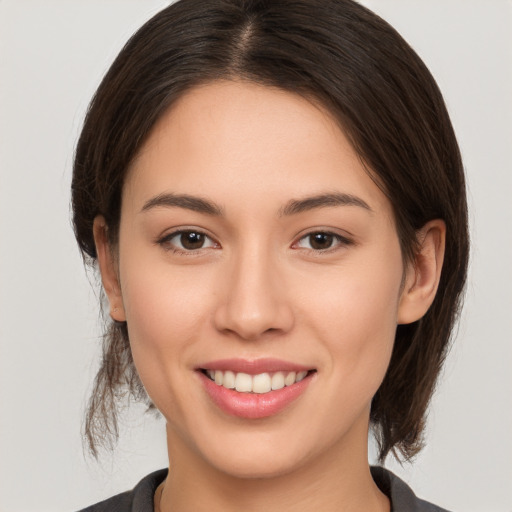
(254, 366)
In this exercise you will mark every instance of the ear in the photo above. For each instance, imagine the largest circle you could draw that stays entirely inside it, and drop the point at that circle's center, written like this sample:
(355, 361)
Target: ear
(108, 270)
(423, 273)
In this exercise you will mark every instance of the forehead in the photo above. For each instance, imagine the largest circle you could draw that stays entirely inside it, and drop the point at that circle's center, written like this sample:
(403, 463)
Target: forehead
(229, 137)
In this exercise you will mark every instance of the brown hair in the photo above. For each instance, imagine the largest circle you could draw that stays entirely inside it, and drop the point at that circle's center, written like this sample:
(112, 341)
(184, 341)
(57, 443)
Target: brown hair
(385, 99)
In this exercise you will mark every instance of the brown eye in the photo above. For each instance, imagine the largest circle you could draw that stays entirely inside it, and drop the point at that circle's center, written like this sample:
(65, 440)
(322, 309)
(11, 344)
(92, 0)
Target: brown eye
(191, 240)
(322, 241)
(319, 241)
(187, 241)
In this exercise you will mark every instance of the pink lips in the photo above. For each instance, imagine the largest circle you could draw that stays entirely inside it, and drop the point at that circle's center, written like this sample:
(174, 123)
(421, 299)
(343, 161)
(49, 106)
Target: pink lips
(253, 405)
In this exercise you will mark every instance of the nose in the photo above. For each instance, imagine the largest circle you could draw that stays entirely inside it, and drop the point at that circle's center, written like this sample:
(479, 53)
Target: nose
(254, 301)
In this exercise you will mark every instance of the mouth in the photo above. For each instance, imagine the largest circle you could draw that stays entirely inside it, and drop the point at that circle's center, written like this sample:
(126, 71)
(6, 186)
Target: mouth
(260, 383)
(254, 389)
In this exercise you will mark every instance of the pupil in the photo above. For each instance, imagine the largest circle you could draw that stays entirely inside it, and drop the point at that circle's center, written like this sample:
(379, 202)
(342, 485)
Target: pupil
(321, 241)
(191, 240)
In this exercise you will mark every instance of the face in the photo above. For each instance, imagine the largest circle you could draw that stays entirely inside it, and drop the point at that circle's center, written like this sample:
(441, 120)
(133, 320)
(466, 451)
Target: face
(255, 251)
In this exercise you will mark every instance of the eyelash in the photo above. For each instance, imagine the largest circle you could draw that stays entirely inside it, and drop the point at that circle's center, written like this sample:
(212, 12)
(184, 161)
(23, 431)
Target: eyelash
(165, 241)
(338, 241)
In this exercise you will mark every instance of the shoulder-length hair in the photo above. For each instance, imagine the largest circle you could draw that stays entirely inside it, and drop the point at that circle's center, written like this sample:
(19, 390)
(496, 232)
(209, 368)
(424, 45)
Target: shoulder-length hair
(335, 52)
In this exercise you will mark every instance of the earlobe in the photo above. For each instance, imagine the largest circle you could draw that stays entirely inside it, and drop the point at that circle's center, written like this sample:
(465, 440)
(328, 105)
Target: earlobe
(423, 274)
(108, 270)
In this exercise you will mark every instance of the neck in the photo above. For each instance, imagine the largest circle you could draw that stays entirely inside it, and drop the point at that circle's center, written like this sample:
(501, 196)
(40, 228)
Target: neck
(338, 481)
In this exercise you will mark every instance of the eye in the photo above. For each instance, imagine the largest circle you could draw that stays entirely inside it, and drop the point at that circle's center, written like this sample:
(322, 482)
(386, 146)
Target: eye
(322, 241)
(187, 241)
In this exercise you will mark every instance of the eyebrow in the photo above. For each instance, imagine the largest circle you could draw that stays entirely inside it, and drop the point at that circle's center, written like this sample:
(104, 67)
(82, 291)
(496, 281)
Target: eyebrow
(293, 207)
(296, 206)
(194, 203)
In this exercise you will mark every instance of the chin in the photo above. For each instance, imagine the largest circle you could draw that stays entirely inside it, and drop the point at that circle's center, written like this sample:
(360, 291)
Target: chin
(263, 452)
(247, 466)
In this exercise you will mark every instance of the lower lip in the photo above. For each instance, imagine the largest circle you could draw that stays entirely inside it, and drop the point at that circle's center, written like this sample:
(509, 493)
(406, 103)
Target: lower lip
(254, 405)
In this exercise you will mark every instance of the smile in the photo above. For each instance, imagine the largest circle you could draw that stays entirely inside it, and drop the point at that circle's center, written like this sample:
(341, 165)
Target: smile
(254, 389)
(260, 383)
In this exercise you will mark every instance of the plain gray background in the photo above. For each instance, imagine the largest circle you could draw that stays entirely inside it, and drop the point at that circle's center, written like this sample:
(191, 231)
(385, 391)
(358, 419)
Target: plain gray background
(52, 56)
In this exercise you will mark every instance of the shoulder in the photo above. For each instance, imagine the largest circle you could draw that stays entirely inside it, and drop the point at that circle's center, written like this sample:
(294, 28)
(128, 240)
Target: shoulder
(140, 499)
(400, 494)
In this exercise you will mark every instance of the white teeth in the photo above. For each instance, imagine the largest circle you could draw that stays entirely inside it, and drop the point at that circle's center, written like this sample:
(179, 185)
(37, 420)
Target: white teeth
(229, 380)
(278, 380)
(300, 376)
(289, 379)
(243, 382)
(261, 383)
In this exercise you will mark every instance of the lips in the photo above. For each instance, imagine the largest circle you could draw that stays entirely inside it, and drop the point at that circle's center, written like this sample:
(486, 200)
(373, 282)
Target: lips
(254, 389)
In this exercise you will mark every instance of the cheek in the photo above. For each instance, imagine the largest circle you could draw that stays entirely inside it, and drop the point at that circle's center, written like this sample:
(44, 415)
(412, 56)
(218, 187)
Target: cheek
(162, 301)
(360, 297)
(354, 311)
(165, 313)
(160, 307)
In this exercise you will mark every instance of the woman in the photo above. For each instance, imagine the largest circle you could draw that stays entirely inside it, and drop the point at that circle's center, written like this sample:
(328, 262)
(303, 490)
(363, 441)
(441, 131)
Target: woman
(275, 199)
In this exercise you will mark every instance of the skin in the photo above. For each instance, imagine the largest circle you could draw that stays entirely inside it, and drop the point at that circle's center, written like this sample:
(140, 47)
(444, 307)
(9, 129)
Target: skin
(258, 288)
